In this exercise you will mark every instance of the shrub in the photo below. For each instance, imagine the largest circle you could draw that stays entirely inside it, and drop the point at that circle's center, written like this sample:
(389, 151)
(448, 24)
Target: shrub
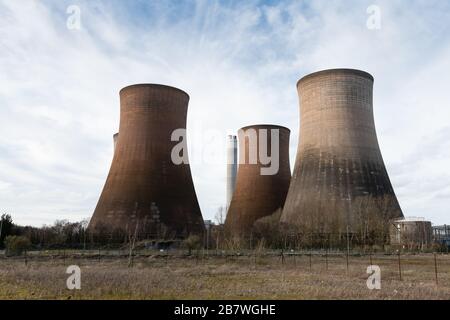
(16, 245)
(268, 229)
(192, 242)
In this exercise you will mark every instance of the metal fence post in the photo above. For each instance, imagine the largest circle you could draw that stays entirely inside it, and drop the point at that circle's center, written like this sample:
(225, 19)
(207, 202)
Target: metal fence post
(435, 268)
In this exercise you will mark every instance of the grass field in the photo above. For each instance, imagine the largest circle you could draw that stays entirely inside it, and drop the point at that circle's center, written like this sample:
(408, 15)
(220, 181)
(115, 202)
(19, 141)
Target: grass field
(176, 276)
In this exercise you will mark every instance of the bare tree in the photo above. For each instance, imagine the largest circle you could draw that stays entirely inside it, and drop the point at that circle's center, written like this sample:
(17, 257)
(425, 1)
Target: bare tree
(220, 215)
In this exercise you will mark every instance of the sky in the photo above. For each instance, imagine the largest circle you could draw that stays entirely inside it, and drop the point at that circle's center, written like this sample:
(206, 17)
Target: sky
(239, 61)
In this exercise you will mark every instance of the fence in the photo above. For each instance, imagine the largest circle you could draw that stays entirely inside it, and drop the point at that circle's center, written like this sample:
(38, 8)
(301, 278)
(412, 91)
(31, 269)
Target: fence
(396, 266)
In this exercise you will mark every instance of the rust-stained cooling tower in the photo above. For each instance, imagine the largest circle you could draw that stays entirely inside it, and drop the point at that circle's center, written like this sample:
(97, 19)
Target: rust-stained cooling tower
(339, 177)
(261, 188)
(145, 190)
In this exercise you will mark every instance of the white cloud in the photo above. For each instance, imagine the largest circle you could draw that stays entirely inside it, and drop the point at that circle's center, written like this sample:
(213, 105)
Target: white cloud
(59, 88)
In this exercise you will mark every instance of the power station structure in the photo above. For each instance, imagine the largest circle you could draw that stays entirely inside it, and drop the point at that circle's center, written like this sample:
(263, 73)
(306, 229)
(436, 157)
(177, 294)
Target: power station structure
(263, 177)
(411, 232)
(339, 176)
(441, 235)
(146, 190)
(339, 184)
(231, 167)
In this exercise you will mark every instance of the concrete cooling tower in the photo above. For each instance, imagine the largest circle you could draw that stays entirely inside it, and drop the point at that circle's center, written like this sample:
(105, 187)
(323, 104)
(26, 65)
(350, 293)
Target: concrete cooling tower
(145, 190)
(261, 187)
(339, 175)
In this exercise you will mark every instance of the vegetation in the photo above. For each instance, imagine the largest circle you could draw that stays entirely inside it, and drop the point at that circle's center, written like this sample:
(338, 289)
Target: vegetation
(268, 229)
(192, 242)
(60, 235)
(6, 226)
(367, 232)
(273, 262)
(16, 245)
(176, 276)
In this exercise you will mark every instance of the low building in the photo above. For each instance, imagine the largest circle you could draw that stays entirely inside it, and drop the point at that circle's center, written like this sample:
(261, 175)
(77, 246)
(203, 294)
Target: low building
(411, 233)
(441, 235)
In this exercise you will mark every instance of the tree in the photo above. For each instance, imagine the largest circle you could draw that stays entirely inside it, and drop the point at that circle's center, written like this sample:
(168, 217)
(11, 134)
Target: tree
(16, 245)
(218, 229)
(268, 229)
(220, 216)
(6, 225)
(192, 242)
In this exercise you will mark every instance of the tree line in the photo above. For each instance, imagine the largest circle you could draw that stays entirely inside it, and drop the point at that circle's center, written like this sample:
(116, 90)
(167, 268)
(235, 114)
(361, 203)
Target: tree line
(61, 234)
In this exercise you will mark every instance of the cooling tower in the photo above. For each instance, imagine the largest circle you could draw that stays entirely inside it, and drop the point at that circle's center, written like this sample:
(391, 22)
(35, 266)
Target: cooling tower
(231, 167)
(261, 188)
(339, 176)
(145, 190)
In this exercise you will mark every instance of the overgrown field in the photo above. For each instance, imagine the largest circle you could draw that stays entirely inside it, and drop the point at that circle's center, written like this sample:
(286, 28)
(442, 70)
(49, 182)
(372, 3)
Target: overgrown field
(177, 276)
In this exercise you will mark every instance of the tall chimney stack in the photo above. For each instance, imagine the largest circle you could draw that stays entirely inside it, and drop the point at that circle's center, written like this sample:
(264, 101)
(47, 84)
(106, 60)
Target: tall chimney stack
(231, 167)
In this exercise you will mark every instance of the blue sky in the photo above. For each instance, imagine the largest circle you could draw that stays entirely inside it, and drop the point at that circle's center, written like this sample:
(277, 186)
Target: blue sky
(238, 60)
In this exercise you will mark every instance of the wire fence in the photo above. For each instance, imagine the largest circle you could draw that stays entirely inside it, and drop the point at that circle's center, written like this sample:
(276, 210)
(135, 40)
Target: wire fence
(433, 267)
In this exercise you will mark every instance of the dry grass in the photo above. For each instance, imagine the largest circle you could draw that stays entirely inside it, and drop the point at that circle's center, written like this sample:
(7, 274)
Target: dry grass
(176, 277)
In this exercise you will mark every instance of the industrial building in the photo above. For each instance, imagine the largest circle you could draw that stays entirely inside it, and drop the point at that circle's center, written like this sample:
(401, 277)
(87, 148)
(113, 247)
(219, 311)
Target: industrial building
(411, 233)
(145, 191)
(441, 235)
(339, 180)
(258, 194)
(339, 177)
